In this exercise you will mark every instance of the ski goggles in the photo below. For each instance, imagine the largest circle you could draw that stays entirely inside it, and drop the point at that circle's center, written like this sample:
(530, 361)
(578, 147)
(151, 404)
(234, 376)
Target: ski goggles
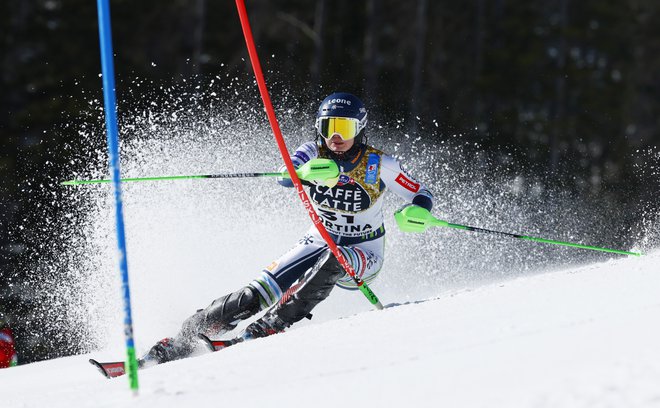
(346, 128)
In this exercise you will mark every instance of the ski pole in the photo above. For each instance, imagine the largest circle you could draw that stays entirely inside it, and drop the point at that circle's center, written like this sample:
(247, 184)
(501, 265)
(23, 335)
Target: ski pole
(418, 219)
(281, 144)
(319, 169)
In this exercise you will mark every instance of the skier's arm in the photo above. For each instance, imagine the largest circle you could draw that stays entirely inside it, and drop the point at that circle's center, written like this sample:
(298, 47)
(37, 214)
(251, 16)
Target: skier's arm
(404, 185)
(303, 154)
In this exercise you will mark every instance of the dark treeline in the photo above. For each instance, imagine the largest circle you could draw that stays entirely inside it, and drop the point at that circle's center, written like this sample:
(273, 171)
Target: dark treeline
(571, 87)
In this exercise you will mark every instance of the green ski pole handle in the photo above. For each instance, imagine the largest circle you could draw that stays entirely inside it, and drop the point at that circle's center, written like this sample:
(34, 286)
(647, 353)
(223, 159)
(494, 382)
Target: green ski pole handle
(313, 170)
(417, 219)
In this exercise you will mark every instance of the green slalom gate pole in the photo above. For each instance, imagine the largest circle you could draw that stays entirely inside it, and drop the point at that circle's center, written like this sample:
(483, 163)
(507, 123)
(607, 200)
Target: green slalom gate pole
(319, 169)
(418, 219)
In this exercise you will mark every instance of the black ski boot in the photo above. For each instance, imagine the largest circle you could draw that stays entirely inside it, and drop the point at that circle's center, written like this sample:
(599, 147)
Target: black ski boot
(168, 349)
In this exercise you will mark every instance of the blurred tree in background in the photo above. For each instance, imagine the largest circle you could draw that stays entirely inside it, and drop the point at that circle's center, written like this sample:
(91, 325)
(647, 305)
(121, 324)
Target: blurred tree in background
(570, 86)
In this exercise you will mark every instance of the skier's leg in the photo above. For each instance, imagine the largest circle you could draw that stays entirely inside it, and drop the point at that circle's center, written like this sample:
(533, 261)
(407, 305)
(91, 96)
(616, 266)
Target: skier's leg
(219, 317)
(223, 314)
(289, 268)
(365, 258)
(226, 312)
(296, 304)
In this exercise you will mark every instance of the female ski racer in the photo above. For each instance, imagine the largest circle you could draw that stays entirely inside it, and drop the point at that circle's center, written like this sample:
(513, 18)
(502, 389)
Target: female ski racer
(351, 209)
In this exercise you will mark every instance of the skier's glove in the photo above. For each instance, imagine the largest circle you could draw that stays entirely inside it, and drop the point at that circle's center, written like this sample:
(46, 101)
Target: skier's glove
(323, 172)
(413, 218)
(285, 180)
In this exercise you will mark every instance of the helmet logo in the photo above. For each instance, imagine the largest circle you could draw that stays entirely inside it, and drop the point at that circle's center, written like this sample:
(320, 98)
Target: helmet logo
(344, 101)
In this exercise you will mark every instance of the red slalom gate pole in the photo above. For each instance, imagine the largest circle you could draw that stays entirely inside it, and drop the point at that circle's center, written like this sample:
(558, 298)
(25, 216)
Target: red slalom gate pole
(263, 90)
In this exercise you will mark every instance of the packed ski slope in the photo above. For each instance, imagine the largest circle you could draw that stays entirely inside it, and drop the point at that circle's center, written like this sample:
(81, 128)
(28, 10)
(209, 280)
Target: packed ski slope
(580, 337)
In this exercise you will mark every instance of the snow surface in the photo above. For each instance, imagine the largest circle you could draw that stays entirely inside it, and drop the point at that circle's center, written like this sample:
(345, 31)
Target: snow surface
(580, 337)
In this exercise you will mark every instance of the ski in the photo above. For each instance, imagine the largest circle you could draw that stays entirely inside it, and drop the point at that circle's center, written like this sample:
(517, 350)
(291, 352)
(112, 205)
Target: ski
(109, 370)
(217, 345)
(117, 368)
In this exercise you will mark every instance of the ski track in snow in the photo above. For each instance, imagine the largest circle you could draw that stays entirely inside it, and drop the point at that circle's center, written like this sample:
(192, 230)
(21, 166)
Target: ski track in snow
(582, 337)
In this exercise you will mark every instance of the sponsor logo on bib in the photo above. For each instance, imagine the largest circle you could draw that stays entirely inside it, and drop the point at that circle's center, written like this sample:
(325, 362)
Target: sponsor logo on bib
(348, 197)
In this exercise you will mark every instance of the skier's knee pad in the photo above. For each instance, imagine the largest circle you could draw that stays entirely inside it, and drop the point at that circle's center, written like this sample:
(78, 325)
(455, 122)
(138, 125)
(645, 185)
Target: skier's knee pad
(332, 268)
(315, 287)
(321, 281)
